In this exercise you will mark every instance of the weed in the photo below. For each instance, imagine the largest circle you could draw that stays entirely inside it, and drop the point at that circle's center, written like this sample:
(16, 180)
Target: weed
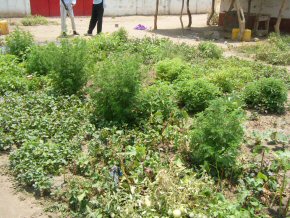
(34, 20)
(19, 42)
(268, 95)
(195, 95)
(217, 134)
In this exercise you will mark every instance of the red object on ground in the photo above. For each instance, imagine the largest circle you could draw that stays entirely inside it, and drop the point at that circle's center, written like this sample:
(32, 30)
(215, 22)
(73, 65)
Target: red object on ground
(51, 8)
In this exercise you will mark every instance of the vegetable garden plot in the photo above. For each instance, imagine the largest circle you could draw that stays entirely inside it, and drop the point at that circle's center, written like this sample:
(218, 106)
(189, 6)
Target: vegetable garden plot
(132, 129)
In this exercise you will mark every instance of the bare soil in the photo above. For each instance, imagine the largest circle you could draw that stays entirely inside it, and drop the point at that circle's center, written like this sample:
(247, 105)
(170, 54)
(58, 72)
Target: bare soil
(14, 203)
(168, 27)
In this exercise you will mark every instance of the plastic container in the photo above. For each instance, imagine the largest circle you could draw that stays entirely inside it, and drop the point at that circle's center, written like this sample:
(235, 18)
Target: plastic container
(4, 30)
(235, 33)
(247, 35)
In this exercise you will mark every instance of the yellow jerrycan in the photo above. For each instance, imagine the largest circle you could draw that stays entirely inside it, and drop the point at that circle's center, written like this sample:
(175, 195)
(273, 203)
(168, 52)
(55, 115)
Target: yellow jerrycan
(4, 30)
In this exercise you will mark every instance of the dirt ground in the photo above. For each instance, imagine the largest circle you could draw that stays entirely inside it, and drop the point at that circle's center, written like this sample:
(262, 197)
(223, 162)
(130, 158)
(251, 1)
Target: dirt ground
(168, 26)
(14, 203)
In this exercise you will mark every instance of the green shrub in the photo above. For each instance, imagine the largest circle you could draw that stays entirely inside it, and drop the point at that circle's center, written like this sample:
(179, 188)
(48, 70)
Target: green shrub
(160, 97)
(19, 42)
(35, 162)
(209, 50)
(268, 95)
(32, 20)
(233, 78)
(116, 86)
(69, 73)
(217, 133)
(13, 77)
(170, 69)
(195, 95)
(42, 59)
(121, 35)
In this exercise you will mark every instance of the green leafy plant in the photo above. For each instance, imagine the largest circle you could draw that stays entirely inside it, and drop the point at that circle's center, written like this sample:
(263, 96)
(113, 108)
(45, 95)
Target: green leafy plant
(69, 68)
(19, 42)
(170, 69)
(267, 95)
(209, 50)
(217, 134)
(42, 59)
(13, 77)
(40, 116)
(195, 95)
(116, 85)
(34, 162)
(160, 97)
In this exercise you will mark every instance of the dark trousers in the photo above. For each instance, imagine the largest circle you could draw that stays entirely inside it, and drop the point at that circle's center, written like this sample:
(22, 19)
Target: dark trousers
(97, 17)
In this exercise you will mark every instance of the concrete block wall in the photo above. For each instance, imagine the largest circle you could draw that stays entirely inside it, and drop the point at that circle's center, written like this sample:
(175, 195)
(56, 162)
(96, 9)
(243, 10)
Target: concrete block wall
(14, 8)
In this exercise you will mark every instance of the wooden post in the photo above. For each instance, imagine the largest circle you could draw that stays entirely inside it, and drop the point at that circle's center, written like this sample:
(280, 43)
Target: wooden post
(156, 15)
(211, 13)
(189, 15)
(241, 18)
(181, 13)
(279, 18)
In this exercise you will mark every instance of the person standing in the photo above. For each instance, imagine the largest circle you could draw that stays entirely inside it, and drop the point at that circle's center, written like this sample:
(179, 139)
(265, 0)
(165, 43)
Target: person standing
(66, 8)
(97, 17)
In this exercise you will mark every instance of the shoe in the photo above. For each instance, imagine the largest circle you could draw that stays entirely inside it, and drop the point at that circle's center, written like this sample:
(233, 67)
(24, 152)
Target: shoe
(76, 33)
(88, 34)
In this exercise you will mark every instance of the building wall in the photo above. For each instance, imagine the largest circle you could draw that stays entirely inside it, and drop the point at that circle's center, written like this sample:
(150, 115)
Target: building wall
(270, 7)
(15, 8)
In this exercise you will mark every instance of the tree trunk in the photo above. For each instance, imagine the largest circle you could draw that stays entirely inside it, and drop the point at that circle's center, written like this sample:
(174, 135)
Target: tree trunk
(211, 13)
(189, 15)
(279, 18)
(156, 15)
(181, 13)
(241, 18)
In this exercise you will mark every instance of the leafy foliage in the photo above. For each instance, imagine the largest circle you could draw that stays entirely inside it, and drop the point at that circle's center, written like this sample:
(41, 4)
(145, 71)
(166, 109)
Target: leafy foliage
(69, 73)
(196, 94)
(43, 59)
(117, 83)
(169, 70)
(35, 162)
(266, 95)
(13, 77)
(39, 116)
(158, 98)
(209, 50)
(217, 134)
(19, 42)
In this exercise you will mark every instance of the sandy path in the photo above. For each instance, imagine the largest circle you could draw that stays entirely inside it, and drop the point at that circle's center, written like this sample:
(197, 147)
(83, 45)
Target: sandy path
(168, 27)
(15, 204)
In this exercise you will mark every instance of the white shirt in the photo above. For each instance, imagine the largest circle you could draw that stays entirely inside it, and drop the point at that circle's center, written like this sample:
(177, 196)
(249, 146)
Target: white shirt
(96, 2)
(68, 2)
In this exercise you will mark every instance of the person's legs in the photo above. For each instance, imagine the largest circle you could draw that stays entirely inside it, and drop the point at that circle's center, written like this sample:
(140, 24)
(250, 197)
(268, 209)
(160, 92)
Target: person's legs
(63, 18)
(94, 19)
(72, 18)
(100, 19)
